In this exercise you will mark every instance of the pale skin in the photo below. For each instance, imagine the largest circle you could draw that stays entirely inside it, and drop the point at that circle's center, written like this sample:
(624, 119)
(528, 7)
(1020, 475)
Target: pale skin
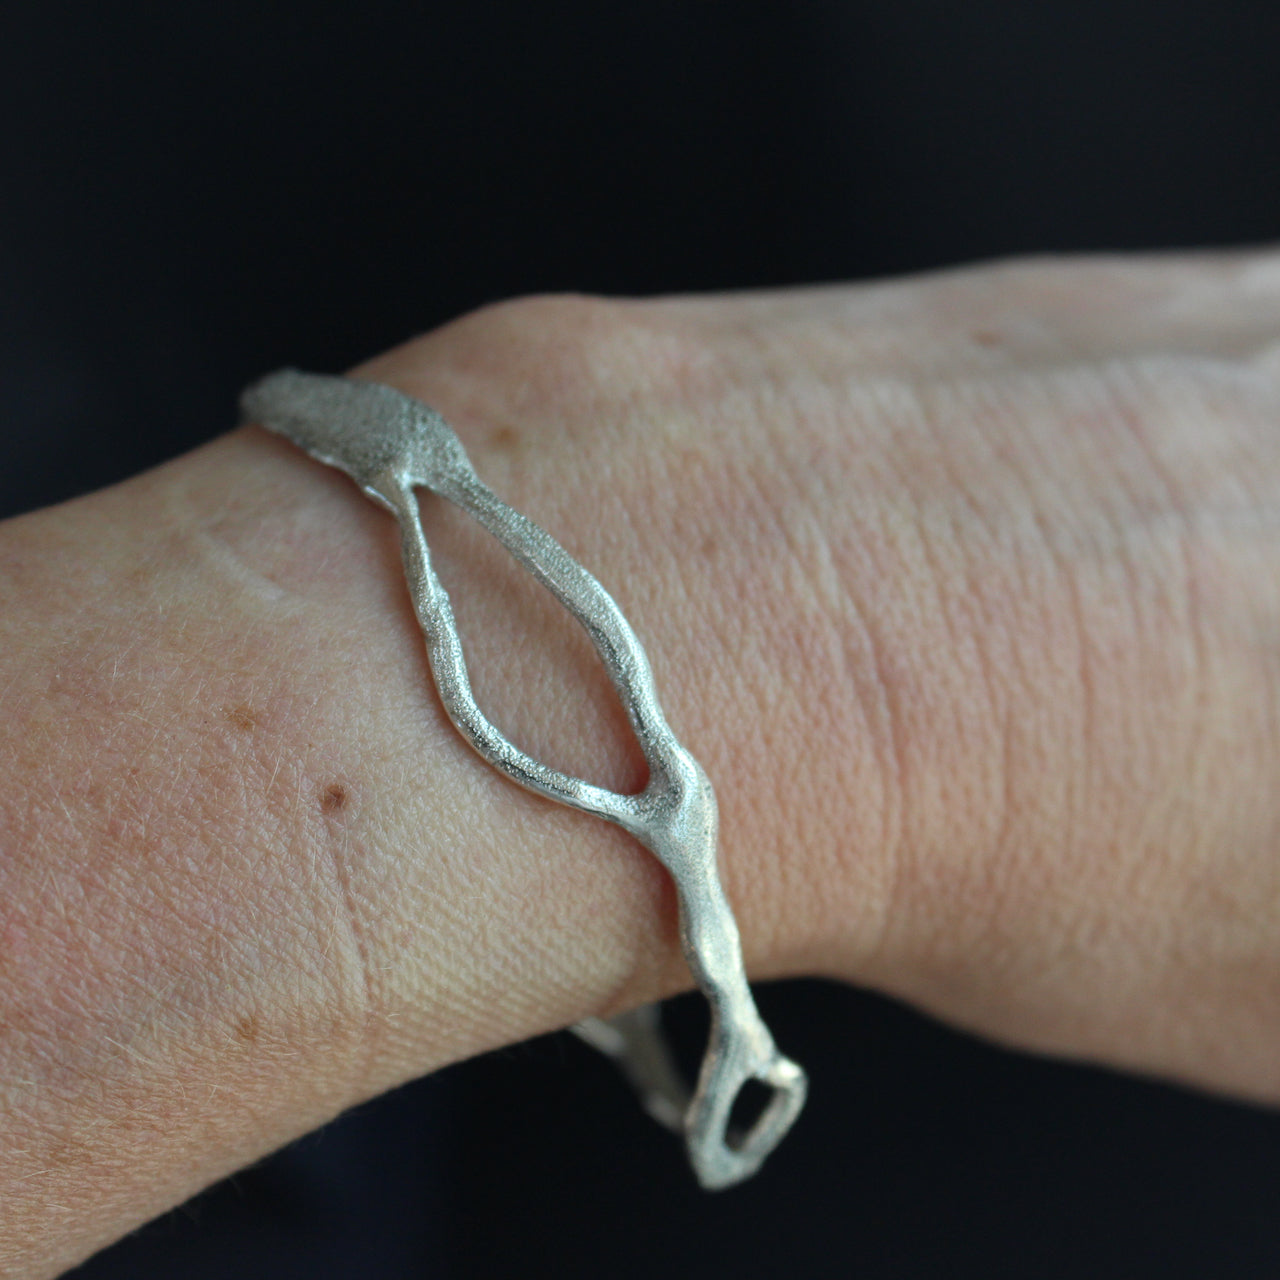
(964, 589)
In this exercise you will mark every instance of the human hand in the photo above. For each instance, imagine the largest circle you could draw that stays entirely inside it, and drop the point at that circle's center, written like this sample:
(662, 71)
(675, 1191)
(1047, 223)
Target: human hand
(965, 590)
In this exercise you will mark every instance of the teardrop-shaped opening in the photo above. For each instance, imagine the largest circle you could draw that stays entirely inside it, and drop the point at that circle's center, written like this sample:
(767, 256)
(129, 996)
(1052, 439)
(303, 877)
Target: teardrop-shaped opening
(753, 1100)
(533, 669)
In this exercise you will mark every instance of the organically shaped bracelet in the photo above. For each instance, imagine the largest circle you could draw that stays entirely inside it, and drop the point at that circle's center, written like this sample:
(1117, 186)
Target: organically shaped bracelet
(390, 444)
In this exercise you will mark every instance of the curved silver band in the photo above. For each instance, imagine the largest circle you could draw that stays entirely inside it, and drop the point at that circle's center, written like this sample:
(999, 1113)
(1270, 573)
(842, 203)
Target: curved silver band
(391, 444)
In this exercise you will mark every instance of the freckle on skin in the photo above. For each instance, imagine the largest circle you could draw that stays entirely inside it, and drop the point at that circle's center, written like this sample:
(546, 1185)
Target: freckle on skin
(505, 438)
(247, 1028)
(242, 717)
(986, 338)
(333, 798)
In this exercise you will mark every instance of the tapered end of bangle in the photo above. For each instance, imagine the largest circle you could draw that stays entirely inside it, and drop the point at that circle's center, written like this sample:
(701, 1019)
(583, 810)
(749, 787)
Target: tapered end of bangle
(368, 430)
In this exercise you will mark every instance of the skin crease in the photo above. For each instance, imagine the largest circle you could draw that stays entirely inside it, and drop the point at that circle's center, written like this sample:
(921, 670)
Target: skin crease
(965, 590)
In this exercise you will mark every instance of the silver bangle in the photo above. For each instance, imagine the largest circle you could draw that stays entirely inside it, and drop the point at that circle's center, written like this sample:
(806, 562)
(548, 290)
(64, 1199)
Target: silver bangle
(390, 444)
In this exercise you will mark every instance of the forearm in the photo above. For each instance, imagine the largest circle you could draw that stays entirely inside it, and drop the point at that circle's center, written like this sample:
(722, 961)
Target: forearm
(250, 875)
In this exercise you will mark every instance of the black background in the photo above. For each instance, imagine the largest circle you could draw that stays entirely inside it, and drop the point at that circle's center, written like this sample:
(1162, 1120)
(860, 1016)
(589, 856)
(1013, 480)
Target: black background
(195, 193)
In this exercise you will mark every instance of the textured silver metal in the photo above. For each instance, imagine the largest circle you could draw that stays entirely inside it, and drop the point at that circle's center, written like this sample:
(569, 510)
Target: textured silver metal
(390, 444)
